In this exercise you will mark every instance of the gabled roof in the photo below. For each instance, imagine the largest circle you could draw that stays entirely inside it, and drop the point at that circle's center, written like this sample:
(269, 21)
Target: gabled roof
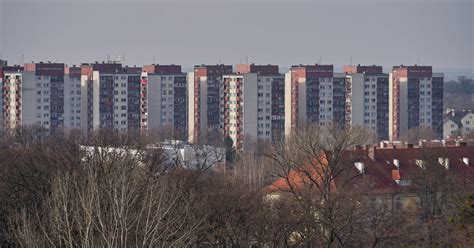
(381, 172)
(456, 116)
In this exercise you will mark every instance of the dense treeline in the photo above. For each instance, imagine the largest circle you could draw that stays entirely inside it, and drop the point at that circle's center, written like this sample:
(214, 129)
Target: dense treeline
(56, 195)
(462, 85)
(459, 94)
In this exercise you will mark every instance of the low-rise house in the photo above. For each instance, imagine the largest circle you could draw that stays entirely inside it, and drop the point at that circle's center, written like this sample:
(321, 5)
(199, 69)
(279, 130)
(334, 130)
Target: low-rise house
(391, 175)
(458, 123)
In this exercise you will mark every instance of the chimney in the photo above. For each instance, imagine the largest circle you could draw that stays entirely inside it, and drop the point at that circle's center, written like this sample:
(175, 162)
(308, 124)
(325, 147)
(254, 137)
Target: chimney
(465, 160)
(360, 166)
(371, 152)
(396, 176)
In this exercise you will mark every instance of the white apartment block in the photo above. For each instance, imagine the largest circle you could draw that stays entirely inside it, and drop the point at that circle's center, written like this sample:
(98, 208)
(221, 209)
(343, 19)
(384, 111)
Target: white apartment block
(416, 100)
(252, 107)
(314, 95)
(73, 99)
(166, 97)
(367, 99)
(115, 100)
(204, 87)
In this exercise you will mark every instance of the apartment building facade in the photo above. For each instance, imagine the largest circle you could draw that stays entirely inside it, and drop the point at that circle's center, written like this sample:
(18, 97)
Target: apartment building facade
(252, 105)
(367, 98)
(34, 95)
(314, 94)
(111, 96)
(12, 97)
(164, 94)
(204, 89)
(416, 100)
(72, 97)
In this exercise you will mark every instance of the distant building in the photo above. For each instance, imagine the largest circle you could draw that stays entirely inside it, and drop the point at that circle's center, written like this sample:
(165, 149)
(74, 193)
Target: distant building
(176, 154)
(367, 101)
(11, 97)
(458, 123)
(3, 63)
(72, 97)
(111, 96)
(253, 104)
(314, 94)
(43, 91)
(416, 95)
(390, 171)
(204, 89)
(165, 94)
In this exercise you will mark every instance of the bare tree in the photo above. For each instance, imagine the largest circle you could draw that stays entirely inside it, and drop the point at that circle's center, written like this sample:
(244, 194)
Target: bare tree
(438, 193)
(414, 135)
(316, 169)
(111, 201)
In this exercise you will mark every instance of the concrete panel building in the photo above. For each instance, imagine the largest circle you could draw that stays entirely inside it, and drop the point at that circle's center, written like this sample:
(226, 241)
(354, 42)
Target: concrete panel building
(72, 98)
(165, 95)
(42, 95)
(111, 96)
(314, 94)
(11, 97)
(416, 100)
(367, 97)
(204, 88)
(253, 104)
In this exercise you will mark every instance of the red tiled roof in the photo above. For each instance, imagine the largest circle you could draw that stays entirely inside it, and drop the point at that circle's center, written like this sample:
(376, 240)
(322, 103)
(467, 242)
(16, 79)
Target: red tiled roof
(381, 172)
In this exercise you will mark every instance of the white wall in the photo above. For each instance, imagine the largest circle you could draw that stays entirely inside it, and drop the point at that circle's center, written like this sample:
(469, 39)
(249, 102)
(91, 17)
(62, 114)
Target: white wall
(28, 100)
(191, 102)
(154, 101)
(390, 106)
(467, 124)
(450, 128)
(287, 103)
(95, 100)
(403, 106)
(357, 99)
(84, 110)
(72, 102)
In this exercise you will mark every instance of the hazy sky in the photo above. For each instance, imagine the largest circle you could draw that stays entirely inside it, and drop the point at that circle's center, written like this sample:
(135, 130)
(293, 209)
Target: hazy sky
(386, 32)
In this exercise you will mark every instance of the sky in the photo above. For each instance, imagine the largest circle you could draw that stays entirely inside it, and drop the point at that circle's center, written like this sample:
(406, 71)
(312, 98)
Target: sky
(284, 32)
